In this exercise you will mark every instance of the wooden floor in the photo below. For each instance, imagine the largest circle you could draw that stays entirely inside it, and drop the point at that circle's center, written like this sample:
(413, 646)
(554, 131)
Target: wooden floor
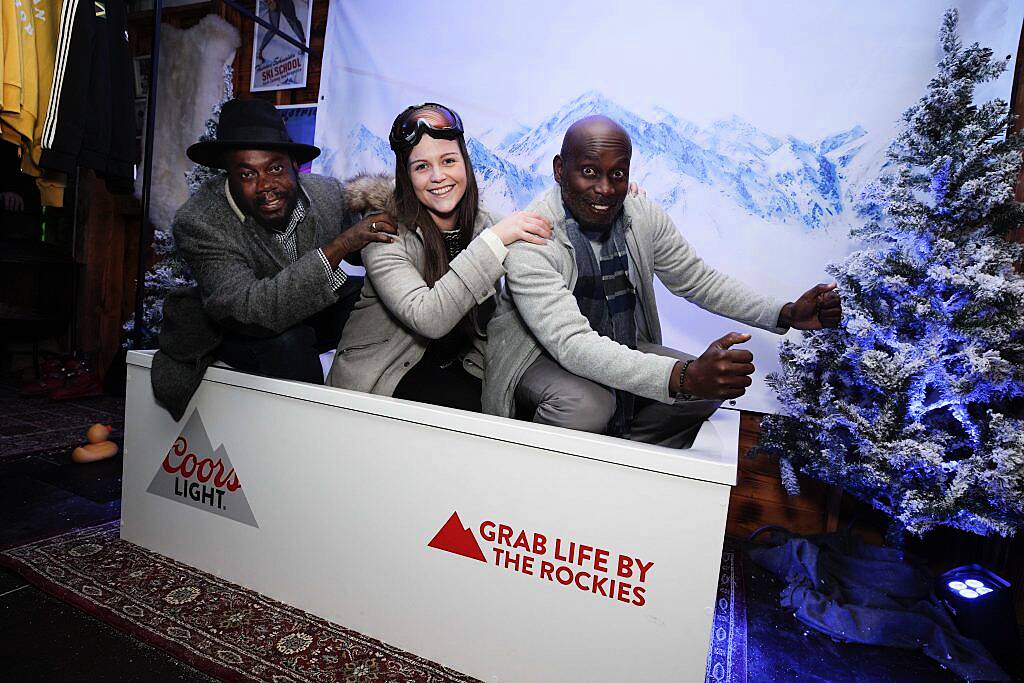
(760, 499)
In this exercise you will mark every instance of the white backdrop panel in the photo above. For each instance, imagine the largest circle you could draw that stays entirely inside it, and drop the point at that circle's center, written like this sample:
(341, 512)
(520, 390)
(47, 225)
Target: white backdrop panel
(756, 125)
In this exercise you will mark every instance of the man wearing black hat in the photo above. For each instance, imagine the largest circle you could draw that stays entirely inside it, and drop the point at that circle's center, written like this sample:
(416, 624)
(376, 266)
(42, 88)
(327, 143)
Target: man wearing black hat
(265, 247)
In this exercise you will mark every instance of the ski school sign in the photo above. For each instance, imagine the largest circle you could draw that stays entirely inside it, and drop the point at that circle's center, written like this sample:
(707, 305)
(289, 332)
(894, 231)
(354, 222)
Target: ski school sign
(565, 562)
(505, 550)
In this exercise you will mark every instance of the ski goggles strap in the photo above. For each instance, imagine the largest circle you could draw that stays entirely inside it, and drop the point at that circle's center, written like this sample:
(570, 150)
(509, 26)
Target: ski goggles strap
(436, 120)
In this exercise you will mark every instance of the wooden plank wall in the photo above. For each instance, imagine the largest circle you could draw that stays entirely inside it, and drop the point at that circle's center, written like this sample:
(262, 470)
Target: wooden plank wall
(759, 498)
(108, 251)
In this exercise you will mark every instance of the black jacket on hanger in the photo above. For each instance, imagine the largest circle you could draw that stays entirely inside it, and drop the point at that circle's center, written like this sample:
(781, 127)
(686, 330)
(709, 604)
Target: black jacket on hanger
(91, 121)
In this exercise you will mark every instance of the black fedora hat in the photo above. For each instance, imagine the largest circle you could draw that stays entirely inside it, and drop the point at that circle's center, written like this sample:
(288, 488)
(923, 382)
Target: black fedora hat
(249, 124)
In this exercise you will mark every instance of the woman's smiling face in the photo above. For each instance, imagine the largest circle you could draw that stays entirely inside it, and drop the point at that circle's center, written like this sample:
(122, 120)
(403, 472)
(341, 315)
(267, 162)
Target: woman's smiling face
(438, 174)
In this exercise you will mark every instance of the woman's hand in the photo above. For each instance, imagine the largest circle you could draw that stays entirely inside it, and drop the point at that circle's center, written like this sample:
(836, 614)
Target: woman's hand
(523, 225)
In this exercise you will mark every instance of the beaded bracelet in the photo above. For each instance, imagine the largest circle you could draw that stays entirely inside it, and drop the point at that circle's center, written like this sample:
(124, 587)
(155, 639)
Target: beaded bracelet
(682, 378)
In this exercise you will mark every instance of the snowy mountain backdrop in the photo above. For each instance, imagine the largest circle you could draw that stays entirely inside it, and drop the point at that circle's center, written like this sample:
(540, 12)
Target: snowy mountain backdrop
(744, 121)
(812, 184)
(768, 209)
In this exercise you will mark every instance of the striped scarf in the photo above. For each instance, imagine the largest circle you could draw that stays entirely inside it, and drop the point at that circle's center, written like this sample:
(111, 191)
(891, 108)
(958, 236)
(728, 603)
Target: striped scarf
(607, 299)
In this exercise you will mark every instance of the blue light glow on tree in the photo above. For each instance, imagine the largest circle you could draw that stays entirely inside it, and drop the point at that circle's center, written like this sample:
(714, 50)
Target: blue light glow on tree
(910, 404)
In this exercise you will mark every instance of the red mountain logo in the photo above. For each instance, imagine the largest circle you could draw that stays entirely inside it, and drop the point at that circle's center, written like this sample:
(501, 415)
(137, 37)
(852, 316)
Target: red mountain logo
(456, 538)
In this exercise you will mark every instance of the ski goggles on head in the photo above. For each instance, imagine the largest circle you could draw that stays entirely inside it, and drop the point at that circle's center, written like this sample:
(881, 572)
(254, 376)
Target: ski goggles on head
(436, 120)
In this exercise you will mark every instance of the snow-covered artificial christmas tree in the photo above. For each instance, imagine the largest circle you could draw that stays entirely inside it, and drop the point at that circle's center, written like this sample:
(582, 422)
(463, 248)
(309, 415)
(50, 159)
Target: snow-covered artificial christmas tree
(170, 270)
(909, 404)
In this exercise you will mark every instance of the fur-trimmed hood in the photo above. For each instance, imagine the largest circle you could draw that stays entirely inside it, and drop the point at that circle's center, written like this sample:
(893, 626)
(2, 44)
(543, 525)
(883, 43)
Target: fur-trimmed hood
(369, 193)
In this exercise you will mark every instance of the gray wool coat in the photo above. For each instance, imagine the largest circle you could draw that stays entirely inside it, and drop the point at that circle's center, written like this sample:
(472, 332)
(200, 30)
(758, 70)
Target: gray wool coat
(398, 314)
(537, 311)
(245, 282)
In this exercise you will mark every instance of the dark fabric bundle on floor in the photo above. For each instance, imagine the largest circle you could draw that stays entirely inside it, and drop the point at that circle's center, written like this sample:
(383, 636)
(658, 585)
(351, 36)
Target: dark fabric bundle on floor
(859, 593)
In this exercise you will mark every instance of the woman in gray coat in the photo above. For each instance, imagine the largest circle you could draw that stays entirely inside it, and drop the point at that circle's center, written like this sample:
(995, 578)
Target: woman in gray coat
(417, 331)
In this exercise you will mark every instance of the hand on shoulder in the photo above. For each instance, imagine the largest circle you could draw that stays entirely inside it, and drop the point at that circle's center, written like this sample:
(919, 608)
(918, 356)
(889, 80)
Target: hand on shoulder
(377, 227)
(525, 226)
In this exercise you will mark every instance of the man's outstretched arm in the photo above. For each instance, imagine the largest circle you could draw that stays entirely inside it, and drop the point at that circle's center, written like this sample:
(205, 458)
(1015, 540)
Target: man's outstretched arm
(685, 274)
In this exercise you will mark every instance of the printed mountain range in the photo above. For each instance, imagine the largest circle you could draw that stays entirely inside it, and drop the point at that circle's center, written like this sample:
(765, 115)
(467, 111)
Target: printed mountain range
(728, 165)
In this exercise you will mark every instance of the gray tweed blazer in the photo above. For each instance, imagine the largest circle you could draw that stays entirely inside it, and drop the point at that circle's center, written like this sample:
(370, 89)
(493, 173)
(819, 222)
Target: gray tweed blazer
(245, 283)
(245, 280)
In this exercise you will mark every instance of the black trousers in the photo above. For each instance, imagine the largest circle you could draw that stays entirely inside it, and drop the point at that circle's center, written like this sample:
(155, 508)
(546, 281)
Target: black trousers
(451, 386)
(295, 353)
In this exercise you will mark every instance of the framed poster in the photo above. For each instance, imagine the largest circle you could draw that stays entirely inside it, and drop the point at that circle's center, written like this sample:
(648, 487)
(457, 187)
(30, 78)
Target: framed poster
(300, 121)
(276, 63)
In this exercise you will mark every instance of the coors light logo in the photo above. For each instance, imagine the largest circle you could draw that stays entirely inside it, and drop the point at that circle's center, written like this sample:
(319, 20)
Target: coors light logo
(195, 474)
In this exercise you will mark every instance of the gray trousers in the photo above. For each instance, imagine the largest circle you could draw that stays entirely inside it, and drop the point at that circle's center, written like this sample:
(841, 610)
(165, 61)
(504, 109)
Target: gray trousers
(549, 394)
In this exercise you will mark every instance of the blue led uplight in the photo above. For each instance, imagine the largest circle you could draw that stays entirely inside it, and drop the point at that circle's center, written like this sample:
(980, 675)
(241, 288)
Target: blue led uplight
(969, 588)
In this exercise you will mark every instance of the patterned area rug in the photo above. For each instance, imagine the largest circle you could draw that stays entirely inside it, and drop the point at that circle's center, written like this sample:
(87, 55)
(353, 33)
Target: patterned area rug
(727, 653)
(236, 634)
(218, 627)
(31, 425)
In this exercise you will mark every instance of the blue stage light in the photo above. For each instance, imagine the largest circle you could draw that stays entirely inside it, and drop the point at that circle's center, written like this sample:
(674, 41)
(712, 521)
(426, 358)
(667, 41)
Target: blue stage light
(981, 603)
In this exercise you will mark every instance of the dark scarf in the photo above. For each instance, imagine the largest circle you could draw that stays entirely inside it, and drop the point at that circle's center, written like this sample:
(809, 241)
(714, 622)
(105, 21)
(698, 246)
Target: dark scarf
(445, 351)
(607, 299)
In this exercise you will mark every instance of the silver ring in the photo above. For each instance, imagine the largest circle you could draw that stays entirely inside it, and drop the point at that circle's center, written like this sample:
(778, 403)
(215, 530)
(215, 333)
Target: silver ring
(373, 226)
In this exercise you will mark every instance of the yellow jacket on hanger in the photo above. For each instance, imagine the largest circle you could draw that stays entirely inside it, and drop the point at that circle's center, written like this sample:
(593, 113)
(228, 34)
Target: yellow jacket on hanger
(34, 35)
(10, 35)
(23, 118)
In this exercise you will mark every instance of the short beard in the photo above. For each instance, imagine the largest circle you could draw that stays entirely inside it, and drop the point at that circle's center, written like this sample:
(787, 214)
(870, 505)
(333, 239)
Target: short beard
(282, 222)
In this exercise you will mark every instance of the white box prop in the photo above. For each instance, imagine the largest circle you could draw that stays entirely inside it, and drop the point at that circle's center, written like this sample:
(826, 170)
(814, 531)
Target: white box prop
(505, 550)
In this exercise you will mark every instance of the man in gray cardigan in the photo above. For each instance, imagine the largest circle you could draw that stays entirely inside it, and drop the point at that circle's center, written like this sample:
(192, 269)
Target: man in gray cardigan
(576, 340)
(265, 248)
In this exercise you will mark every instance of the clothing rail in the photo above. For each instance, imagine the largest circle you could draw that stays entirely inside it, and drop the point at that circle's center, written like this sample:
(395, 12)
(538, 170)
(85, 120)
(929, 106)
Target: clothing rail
(145, 233)
(145, 226)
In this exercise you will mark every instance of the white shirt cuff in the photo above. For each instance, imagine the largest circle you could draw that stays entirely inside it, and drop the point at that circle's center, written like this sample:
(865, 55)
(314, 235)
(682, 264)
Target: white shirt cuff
(335, 276)
(494, 242)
